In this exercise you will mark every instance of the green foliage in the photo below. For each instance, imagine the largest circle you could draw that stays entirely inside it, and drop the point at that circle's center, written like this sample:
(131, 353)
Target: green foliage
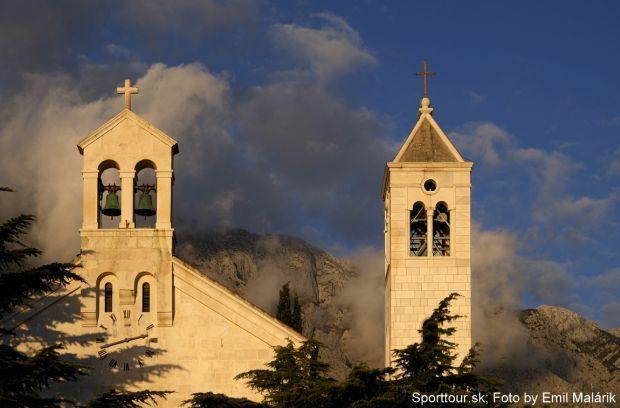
(296, 316)
(126, 399)
(287, 312)
(284, 304)
(296, 378)
(211, 400)
(428, 366)
(362, 386)
(24, 376)
(18, 287)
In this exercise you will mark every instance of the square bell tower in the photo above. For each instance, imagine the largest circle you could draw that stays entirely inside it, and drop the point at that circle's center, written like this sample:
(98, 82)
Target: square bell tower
(127, 234)
(427, 198)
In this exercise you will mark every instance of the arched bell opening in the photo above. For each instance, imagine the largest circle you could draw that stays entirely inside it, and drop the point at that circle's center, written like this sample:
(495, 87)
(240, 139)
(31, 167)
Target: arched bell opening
(145, 197)
(418, 228)
(108, 195)
(441, 230)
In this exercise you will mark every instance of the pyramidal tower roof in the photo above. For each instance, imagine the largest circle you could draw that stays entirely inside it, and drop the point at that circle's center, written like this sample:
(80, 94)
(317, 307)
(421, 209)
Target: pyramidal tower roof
(427, 142)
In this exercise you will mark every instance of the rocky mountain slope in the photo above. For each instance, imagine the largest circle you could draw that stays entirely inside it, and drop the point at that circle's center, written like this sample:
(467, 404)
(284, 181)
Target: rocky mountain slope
(564, 353)
(343, 307)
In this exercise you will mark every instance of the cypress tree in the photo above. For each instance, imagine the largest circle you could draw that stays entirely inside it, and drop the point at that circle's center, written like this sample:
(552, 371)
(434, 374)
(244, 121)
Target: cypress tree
(289, 312)
(284, 304)
(296, 317)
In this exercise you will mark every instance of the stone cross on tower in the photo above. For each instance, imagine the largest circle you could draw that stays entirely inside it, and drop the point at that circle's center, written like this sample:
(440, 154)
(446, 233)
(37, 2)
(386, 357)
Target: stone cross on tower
(127, 90)
(425, 74)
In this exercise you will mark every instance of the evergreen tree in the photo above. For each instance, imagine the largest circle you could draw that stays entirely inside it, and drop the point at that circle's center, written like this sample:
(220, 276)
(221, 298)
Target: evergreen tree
(296, 316)
(362, 387)
(429, 366)
(289, 313)
(296, 378)
(284, 304)
(127, 399)
(211, 400)
(23, 376)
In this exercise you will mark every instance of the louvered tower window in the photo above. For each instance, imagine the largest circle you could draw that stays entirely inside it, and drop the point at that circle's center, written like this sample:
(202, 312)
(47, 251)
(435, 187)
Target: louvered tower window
(418, 227)
(441, 230)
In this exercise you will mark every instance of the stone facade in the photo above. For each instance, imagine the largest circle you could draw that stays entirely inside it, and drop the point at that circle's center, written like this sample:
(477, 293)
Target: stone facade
(142, 318)
(415, 283)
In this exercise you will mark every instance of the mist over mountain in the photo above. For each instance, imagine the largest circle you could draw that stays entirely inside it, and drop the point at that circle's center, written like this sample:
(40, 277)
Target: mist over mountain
(547, 349)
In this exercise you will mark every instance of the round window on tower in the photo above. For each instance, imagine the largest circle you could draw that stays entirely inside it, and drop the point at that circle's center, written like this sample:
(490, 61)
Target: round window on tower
(430, 186)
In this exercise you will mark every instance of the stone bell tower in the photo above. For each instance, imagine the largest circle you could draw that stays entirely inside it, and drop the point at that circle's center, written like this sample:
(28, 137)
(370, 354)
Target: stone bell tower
(126, 234)
(426, 194)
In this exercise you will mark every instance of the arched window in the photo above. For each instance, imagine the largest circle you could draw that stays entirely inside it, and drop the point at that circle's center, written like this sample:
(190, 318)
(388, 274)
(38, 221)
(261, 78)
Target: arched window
(145, 197)
(418, 230)
(108, 297)
(109, 195)
(146, 297)
(441, 230)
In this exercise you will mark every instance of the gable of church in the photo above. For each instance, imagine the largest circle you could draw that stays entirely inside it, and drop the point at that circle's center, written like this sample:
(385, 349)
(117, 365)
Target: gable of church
(427, 145)
(129, 125)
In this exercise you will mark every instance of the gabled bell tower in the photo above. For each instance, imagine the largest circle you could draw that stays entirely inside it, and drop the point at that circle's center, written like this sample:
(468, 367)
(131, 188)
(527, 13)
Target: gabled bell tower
(426, 195)
(127, 234)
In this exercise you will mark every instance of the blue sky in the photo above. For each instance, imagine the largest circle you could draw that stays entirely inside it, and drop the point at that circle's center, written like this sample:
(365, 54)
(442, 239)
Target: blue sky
(295, 106)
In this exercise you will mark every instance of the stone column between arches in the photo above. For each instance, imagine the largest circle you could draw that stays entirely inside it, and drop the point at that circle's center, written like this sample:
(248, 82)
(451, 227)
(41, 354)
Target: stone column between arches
(90, 200)
(164, 199)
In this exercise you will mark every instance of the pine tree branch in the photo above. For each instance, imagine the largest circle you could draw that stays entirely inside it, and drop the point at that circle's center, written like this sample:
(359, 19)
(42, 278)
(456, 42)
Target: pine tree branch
(126, 399)
(22, 376)
(16, 288)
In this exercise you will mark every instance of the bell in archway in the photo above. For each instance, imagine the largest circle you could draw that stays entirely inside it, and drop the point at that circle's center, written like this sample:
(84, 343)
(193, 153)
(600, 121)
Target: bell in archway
(145, 202)
(112, 207)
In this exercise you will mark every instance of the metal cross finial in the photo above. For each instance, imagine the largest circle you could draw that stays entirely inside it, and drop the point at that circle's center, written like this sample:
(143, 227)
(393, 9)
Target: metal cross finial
(425, 74)
(127, 90)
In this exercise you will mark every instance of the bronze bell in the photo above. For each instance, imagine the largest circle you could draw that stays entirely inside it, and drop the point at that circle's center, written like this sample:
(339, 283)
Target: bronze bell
(112, 207)
(145, 202)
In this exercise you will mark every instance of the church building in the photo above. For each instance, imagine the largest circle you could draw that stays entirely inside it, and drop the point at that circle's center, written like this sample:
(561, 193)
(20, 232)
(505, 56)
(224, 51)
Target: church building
(142, 318)
(426, 194)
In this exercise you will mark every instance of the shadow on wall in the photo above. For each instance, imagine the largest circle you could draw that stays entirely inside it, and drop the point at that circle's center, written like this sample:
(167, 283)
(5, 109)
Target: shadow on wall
(121, 367)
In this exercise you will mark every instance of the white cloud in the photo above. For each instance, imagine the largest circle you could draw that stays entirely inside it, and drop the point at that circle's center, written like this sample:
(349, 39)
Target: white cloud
(332, 50)
(559, 214)
(502, 277)
(118, 51)
(475, 98)
(483, 141)
(609, 280)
